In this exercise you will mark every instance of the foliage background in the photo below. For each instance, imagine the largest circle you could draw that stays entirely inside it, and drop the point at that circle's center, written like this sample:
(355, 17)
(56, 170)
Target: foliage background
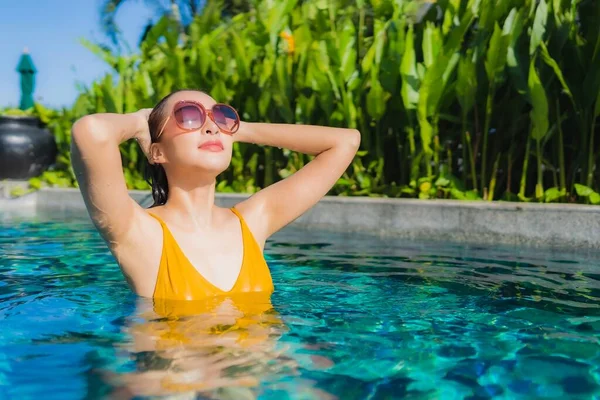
(465, 99)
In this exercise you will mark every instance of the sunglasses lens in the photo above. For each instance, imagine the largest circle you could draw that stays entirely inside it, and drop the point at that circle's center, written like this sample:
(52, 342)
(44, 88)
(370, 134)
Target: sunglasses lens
(189, 116)
(226, 118)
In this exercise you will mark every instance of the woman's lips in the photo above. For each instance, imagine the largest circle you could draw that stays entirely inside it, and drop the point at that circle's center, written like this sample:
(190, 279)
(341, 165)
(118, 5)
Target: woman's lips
(212, 145)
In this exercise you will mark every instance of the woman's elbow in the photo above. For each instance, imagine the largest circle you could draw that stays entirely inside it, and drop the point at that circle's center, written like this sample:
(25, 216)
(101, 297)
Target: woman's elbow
(353, 139)
(84, 130)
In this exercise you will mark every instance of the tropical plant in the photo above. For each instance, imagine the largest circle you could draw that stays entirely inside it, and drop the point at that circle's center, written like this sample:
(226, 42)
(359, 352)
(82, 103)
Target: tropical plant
(453, 98)
(181, 11)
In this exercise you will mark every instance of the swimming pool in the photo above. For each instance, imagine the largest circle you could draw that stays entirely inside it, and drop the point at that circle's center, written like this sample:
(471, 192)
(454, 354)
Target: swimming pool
(352, 318)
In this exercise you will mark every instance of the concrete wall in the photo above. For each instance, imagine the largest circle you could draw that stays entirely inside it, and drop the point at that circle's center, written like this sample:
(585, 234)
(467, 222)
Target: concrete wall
(554, 225)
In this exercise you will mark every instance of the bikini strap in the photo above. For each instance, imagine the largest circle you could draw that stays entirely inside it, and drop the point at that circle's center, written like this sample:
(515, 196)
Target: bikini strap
(239, 215)
(160, 221)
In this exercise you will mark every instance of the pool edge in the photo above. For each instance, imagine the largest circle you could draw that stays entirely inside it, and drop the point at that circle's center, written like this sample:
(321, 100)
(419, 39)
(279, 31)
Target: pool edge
(557, 226)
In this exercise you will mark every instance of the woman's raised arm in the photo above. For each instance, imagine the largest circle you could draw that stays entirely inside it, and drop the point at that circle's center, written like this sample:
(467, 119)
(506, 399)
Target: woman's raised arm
(275, 206)
(97, 164)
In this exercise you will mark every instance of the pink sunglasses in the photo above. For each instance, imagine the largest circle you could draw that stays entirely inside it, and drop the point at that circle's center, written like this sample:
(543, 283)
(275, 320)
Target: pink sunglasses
(190, 116)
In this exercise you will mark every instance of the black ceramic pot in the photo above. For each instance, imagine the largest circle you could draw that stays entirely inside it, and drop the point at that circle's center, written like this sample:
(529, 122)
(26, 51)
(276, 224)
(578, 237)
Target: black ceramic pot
(26, 148)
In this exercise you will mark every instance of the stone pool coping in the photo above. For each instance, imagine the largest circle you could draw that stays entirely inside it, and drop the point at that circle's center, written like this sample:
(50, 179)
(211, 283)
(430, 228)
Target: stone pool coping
(557, 226)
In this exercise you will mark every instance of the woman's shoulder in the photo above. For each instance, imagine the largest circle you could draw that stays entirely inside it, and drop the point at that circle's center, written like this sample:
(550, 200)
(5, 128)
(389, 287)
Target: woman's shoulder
(254, 218)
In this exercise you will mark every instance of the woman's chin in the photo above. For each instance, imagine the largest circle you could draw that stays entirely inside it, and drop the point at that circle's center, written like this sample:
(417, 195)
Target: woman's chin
(215, 167)
(202, 162)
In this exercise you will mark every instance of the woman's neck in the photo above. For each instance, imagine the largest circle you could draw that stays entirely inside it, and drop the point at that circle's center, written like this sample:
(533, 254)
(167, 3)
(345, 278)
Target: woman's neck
(191, 202)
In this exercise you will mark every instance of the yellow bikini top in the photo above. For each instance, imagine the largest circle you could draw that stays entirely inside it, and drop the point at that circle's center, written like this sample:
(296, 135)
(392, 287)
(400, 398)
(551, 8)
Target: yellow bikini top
(179, 280)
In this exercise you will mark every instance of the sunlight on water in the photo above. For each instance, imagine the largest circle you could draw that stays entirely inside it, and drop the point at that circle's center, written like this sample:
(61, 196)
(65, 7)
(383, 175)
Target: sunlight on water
(352, 318)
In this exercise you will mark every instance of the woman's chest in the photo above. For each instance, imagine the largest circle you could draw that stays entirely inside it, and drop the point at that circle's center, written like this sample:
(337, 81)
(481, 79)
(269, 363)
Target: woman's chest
(218, 260)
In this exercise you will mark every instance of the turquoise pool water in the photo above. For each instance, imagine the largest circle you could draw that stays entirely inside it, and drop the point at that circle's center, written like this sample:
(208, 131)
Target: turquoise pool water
(352, 318)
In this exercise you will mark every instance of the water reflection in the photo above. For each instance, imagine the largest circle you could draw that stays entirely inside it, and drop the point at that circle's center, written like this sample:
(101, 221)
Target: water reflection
(352, 317)
(218, 348)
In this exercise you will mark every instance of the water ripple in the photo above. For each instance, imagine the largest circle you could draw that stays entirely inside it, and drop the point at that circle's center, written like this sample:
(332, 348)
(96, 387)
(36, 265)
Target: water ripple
(352, 317)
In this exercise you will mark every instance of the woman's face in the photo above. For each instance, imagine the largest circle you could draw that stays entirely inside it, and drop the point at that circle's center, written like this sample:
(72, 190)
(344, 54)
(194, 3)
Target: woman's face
(207, 148)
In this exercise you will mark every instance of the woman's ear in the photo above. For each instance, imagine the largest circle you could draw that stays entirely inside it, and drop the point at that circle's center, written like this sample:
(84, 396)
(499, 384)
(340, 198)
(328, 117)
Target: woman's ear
(156, 154)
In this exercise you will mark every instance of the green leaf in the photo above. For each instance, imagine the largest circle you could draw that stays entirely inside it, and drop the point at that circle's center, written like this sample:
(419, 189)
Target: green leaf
(242, 64)
(449, 15)
(539, 26)
(486, 17)
(348, 50)
(133, 154)
(283, 83)
(515, 65)
(373, 57)
(180, 70)
(376, 100)
(450, 67)
(472, 195)
(431, 43)
(435, 79)
(407, 190)
(442, 181)
(51, 177)
(473, 6)
(110, 101)
(380, 32)
(539, 101)
(267, 70)
(496, 56)
(457, 194)
(153, 36)
(35, 183)
(367, 61)
(583, 190)
(102, 52)
(466, 82)
(207, 57)
(557, 71)
(553, 194)
(390, 64)
(433, 86)
(500, 7)
(511, 23)
(263, 103)
(344, 182)
(408, 71)
(456, 36)
(595, 198)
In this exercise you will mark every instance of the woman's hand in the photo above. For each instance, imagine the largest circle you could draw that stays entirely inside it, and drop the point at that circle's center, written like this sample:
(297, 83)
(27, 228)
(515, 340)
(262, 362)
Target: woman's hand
(142, 136)
(242, 133)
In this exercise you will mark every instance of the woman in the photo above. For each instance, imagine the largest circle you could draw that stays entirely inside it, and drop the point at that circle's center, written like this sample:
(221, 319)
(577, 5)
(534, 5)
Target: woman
(185, 247)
